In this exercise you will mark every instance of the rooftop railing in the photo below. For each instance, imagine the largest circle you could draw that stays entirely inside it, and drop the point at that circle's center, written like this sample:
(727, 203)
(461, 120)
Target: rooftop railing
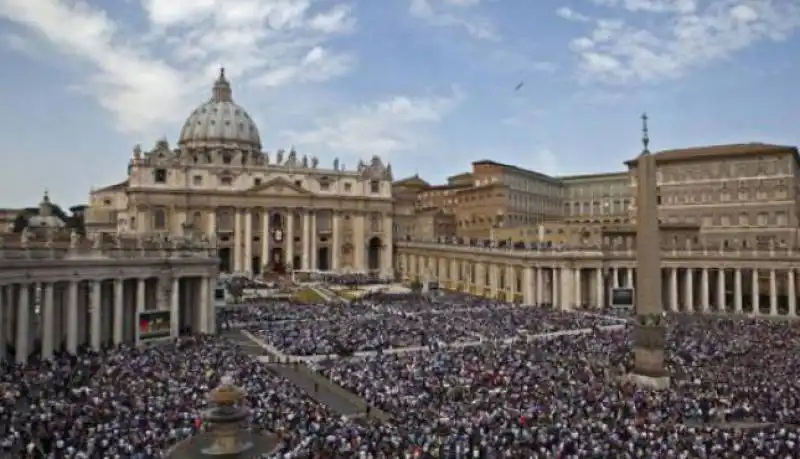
(58, 246)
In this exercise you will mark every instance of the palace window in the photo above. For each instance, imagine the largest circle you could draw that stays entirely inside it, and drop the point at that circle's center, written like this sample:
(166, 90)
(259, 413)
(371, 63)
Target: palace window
(160, 176)
(374, 186)
(348, 187)
(257, 181)
(197, 180)
(226, 181)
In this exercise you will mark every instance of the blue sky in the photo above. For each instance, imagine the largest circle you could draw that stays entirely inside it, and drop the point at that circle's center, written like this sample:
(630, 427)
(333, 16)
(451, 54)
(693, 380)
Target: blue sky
(426, 84)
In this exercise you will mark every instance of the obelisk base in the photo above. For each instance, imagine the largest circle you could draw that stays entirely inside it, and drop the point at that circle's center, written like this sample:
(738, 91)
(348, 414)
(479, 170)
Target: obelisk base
(649, 371)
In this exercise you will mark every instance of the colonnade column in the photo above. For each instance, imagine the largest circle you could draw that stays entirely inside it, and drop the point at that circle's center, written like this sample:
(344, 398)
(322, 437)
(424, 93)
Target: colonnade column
(790, 282)
(539, 286)
(773, 294)
(140, 306)
(629, 275)
(721, 302)
(704, 289)
(688, 292)
(615, 277)
(527, 285)
(23, 323)
(94, 315)
(336, 249)
(737, 290)
(673, 289)
(211, 321)
(577, 301)
(289, 242)
(175, 307)
(48, 319)
(119, 311)
(247, 263)
(205, 305)
(755, 294)
(72, 317)
(600, 288)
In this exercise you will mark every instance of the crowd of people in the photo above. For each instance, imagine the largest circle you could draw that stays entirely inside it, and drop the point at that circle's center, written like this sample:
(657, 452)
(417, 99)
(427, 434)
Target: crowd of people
(734, 392)
(395, 321)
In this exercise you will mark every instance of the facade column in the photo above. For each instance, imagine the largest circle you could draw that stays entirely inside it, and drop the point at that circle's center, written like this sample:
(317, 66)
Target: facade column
(23, 323)
(289, 242)
(175, 307)
(615, 277)
(756, 295)
(773, 294)
(388, 246)
(629, 274)
(265, 257)
(737, 290)
(721, 302)
(119, 311)
(237, 241)
(688, 292)
(578, 300)
(94, 315)
(312, 244)
(306, 260)
(539, 286)
(247, 263)
(673, 289)
(205, 306)
(336, 249)
(599, 286)
(358, 242)
(704, 290)
(72, 317)
(791, 287)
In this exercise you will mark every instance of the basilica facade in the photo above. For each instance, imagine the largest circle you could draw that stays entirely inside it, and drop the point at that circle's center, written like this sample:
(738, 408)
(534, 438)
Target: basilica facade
(266, 212)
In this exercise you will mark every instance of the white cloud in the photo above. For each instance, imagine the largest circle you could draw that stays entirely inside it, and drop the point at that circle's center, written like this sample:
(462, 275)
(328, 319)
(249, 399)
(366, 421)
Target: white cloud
(679, 36)
(398, 124)
(454, 13)
(546, 162)
(571, 15)
(147, 78)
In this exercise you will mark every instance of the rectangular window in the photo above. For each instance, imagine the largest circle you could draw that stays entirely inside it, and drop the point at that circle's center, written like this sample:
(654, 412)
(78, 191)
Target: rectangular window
(160, 176)
(375, 186)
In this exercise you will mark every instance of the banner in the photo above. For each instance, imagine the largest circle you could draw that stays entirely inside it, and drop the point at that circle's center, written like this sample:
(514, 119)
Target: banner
(154, 325)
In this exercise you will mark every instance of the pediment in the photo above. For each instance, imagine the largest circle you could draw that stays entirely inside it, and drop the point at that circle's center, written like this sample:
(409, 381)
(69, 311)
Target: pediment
(279, 186)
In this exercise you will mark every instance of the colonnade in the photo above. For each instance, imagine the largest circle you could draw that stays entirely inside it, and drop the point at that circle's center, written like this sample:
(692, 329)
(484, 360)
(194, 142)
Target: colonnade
(740, 290)
(41, 318)
(354, 246)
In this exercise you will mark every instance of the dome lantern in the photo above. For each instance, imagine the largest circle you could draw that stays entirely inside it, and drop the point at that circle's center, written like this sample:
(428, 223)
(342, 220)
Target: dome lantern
(222, 89)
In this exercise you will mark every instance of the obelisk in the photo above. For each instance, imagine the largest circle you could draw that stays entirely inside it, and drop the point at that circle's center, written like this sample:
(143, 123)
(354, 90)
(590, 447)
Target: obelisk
(649, 330)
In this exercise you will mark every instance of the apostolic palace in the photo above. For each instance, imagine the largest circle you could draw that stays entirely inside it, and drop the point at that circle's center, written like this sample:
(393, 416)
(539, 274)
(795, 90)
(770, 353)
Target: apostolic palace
(145, 258)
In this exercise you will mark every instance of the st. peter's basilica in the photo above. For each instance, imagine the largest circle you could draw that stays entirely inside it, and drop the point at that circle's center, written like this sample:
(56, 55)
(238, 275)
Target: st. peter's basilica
(266, 211)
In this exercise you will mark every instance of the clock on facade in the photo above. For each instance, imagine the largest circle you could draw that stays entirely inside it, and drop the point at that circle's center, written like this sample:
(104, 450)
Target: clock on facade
(277, 235)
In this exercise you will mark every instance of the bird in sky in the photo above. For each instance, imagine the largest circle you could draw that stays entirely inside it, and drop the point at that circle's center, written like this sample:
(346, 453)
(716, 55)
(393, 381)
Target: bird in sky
(519, 86)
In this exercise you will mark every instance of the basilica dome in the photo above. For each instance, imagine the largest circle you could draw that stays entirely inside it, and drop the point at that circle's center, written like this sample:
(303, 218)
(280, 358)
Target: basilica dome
(220, 122)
